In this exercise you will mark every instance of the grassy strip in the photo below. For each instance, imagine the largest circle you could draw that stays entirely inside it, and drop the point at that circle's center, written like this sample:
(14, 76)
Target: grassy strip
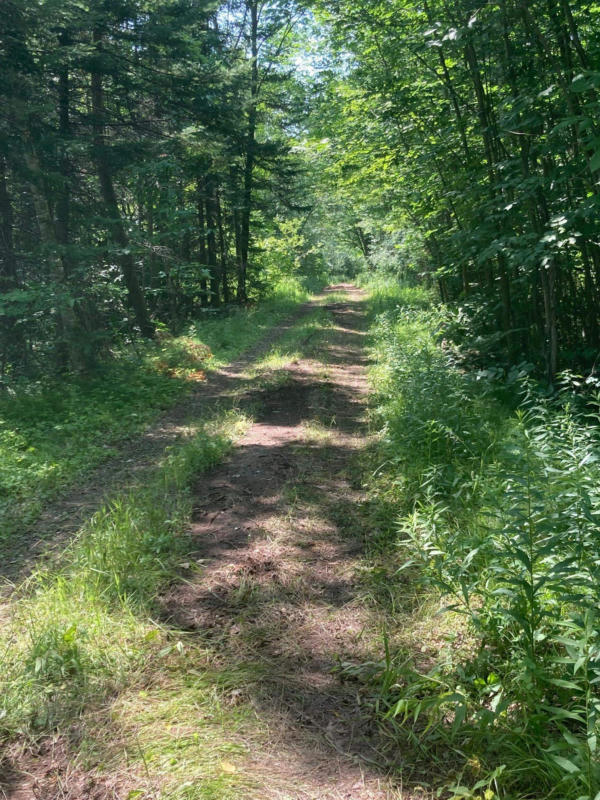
(51, 434)
(227, 337)
(296, 343)
(82, 653)
(495, 514)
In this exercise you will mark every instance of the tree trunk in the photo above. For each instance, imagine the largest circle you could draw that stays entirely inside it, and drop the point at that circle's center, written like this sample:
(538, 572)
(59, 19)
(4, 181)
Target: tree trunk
(135, 295)
(250, 154)
(12, 343)
(222, 249)
(8, 264)
(201, 241)
(548, 283)
(211, 244)
(63, 202)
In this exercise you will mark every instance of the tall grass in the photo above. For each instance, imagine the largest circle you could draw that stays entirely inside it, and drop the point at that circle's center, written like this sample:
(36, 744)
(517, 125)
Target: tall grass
(498, 512)
(228, 333)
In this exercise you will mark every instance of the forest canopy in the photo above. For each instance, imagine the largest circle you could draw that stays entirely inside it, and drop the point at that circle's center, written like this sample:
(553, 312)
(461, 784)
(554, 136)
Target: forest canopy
(159, 157)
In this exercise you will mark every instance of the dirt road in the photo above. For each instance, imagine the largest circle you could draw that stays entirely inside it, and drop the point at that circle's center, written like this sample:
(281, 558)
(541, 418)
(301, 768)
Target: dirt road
(278, 532)
(273, 586)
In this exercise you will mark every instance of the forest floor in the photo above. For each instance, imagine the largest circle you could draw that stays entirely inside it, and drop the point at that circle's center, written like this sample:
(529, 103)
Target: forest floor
(268, 600)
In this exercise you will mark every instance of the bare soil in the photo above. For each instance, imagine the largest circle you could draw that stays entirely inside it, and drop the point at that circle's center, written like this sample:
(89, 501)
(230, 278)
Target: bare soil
(63, 517)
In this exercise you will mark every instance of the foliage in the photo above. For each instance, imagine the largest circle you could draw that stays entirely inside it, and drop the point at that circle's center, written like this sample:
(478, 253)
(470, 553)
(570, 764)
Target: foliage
(472, 125)
(498, 512)
(145, 154)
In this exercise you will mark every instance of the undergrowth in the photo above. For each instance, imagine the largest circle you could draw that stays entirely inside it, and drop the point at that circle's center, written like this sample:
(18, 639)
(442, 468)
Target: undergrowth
(52, 432)
(489, 499)
(81, 644)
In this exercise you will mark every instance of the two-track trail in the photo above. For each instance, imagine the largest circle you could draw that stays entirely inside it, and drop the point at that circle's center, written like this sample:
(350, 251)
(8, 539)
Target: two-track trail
(271, 585)
(135, 457)
(278, 533)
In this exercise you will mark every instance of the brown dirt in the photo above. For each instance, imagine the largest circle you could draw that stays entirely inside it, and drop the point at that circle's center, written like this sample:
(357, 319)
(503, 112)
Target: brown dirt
(48, 774)
(63, 517)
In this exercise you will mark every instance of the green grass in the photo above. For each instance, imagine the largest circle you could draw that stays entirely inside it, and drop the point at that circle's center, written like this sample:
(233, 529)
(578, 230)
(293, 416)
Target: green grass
(493, 513)
(386, 294)
(77, 625)
(227, 336)
(81, 644)
(296, 343)
(52, 433)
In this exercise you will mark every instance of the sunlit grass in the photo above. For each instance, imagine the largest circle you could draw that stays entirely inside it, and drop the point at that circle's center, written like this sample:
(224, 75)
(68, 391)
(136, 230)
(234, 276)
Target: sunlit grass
(228, 334)
(81, 642)
(296, 343)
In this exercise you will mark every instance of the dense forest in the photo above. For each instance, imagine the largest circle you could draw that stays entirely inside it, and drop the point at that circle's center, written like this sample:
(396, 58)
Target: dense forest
(146, 153)
(475, 124)
(178, 178)
(153, 153)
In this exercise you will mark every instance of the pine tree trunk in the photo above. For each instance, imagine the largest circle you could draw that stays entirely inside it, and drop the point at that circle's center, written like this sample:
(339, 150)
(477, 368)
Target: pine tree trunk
(222, 249)
(12, 345)
(250, 154)
(135, 295)
(202, 241)
(8, 264)
(211, 244)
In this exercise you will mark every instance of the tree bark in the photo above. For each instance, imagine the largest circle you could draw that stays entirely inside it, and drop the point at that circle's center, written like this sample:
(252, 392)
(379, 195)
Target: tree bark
(222, 249)
(211, 244)
(201, 241)
(63, 202)
(135, 295)
(8, 265)
(250, 155)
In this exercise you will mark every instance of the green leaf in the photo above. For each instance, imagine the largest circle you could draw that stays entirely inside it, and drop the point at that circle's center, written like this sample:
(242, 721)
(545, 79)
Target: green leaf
(566, 764)
(595, 161)
(564, 684)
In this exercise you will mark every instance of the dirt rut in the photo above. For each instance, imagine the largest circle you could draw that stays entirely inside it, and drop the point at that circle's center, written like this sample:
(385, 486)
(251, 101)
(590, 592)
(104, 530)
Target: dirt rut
(135, 457)
(277, 542)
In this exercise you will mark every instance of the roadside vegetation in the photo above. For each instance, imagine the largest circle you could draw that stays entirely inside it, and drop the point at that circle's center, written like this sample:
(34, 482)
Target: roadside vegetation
(485, 552)
(83, 636)
(54, 431)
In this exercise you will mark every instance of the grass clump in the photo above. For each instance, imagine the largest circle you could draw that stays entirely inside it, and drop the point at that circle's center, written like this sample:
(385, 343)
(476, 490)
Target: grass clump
(496, 512)
(296, 343)
(387, 295)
